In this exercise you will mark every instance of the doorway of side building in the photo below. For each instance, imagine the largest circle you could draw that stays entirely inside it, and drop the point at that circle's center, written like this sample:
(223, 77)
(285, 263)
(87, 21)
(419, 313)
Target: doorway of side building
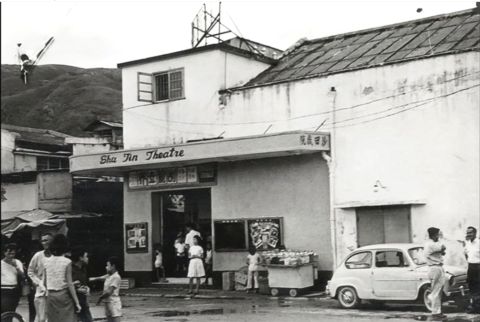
(179, 208)
(381, 225)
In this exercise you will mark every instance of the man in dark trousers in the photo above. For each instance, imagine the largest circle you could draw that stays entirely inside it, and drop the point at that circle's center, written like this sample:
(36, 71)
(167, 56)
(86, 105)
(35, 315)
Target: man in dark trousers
(80, 278)
(472, 254)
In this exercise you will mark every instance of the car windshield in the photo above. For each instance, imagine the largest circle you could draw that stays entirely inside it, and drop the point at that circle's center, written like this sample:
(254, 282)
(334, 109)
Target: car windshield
(417, 255)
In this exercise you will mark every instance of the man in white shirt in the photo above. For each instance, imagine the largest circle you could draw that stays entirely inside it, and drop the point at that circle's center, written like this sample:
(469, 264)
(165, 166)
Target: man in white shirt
(35, 272)
(472, 254)
(434, 251)
(190, 233)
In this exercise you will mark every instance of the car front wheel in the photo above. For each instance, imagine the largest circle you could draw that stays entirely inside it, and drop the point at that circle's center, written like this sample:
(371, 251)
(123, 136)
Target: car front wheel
(348, 298)
(425, 293)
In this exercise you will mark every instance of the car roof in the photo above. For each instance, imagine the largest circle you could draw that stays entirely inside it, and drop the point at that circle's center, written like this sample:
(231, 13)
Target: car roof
(403, 246)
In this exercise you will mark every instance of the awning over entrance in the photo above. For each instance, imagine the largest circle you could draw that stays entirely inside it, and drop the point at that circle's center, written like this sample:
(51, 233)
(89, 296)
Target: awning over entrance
(222, 150)
(32, 221)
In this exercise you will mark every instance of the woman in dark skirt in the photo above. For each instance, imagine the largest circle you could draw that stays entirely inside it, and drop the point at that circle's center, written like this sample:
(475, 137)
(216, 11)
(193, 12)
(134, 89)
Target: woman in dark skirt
(62, 301)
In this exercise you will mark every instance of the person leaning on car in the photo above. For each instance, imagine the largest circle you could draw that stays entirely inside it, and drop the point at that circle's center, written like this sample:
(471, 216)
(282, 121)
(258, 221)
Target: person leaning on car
(472, 254)
(434, 251)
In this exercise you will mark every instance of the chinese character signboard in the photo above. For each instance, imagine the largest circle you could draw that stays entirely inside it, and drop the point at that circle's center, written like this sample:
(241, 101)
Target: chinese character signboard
(205, 173)
(136, 236)
(317, 140)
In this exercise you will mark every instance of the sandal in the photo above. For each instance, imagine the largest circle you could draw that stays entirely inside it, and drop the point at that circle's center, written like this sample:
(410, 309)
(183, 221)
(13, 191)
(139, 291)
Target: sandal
(189, 292)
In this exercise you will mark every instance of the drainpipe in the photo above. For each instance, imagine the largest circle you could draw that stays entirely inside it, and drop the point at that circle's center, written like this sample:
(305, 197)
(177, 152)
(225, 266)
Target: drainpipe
(331, 171)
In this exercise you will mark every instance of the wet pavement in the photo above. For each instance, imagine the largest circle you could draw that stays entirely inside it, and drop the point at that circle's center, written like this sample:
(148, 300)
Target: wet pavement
(149, 309)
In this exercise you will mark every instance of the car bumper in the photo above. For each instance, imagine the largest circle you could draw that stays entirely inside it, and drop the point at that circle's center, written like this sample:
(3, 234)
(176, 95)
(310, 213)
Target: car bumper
(328, 289)
(460, 292)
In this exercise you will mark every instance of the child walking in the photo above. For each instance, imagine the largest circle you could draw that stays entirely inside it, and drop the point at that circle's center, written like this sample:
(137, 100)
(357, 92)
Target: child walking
(159, 265)
(195, 268)
(111, 289)
(253, 259)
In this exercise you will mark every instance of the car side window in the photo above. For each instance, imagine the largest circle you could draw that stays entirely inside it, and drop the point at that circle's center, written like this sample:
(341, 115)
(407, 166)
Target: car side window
(390, 259)
(359, 261)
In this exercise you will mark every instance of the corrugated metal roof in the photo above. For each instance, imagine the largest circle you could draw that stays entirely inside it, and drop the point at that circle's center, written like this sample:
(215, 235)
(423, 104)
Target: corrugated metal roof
(37, 135)
(96, 123)
(449, 33)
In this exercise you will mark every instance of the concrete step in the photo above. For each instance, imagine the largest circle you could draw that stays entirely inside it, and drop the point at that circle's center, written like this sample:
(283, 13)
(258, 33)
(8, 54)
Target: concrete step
(177, 282)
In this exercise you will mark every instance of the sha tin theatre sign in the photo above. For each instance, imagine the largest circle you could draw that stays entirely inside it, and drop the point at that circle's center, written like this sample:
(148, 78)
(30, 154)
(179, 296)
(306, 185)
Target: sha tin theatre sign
(145, 155)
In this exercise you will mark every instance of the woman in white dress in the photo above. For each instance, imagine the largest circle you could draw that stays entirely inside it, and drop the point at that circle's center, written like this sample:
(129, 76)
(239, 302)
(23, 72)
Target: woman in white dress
(195, 268)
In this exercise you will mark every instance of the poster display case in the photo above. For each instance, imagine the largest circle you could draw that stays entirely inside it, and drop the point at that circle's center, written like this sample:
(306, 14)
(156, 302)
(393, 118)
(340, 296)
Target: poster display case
(136, 237)
(239, 234)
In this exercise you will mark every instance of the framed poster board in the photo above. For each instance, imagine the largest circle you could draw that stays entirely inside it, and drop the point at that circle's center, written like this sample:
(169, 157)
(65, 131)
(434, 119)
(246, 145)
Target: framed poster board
(230, 235)
(136, 237)
(265, 233)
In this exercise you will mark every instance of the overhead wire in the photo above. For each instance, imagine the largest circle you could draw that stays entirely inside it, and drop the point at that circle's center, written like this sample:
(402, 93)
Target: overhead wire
(420, 103)
(297, 117)
(170, 129)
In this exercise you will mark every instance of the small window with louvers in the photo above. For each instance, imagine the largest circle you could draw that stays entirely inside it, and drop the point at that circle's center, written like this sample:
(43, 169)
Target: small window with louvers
(145, 87)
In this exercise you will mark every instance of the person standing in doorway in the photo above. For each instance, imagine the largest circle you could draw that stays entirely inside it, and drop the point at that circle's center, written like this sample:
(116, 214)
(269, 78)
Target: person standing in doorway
(434, 251)
(191, 232)
(159, 265)
(472, 254)
(80, 280)
(35, 272)
(180, 256)
(208, 264)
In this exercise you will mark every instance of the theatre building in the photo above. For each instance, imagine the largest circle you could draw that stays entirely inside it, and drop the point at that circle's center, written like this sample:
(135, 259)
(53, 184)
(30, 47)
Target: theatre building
(355, 139)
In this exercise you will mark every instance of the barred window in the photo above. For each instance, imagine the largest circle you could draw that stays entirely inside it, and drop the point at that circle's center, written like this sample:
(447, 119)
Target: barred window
(169, 85)
(50, 163)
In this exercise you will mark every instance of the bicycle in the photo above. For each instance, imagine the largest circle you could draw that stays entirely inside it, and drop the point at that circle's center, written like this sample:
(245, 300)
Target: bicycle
(12, 316)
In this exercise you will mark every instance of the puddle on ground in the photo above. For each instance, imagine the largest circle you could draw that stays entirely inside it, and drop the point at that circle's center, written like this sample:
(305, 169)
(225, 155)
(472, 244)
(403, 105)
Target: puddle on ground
(428, 318)
(220, 311)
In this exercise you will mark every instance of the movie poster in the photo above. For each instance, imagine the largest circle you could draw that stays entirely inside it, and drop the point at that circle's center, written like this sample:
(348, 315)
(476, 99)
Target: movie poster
(265, 233)
(136, 236)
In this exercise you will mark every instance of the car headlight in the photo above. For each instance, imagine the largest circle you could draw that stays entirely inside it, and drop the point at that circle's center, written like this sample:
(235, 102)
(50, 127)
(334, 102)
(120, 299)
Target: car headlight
(451, 280)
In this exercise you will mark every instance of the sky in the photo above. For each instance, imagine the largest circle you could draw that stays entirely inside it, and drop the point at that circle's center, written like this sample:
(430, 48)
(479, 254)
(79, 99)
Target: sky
(104, 34)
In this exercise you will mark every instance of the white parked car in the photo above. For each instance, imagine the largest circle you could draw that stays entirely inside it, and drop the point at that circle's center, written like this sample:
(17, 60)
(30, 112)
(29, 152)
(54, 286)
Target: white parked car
(391, 272)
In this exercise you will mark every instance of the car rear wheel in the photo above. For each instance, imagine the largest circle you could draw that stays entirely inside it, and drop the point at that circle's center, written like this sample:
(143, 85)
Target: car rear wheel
(348, 298)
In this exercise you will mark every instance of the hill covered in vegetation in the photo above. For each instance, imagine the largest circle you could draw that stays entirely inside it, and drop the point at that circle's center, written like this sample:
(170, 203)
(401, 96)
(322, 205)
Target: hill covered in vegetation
(61, 98)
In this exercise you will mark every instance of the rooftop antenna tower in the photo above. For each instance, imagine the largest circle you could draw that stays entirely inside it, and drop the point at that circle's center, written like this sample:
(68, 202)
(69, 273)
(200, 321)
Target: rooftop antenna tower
(203, 26)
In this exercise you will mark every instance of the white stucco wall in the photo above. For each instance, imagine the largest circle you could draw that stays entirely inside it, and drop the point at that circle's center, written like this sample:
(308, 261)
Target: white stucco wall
(414, 126)
(8, 144)
(428, 152)
(205, 73)
(295, 188)
(55, 191)
(25, 163)
(22, 196)
(137, 207)
(88, 145)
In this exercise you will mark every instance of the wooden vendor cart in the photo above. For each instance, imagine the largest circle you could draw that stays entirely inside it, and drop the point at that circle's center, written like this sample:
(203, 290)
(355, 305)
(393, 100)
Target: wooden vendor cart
(291, 277)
